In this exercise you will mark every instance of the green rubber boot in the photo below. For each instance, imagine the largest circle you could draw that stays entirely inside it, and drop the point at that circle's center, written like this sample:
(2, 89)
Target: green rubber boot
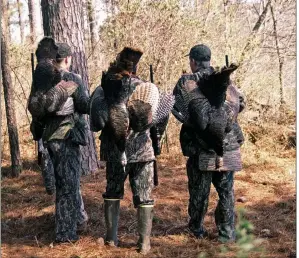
(145, 219)
(111, 218)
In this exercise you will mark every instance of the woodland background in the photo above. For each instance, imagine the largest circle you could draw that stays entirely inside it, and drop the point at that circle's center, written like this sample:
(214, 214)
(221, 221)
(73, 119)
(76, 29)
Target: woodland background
(260, 35)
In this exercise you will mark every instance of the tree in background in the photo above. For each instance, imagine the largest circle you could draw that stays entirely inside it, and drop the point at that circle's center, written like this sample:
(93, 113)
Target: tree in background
(21, 21)
(92, 24)
(8, 20)
(57, 24)
(16, 162)
(241, 29)
(32, 21)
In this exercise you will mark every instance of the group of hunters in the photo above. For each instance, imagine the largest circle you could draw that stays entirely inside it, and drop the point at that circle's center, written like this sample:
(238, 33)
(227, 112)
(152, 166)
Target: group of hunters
(58, 124)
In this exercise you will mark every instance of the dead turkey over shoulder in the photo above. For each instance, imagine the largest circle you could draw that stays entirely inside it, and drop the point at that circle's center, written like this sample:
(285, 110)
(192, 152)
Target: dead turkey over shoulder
(124, 103)
(206, 110)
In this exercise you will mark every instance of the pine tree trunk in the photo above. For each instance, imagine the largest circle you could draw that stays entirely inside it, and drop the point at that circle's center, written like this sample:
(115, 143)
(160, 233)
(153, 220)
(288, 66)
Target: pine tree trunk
(32, 20)
(16, 163)
(21, 21)
(92, 24)
(8, 21)
(64, 22)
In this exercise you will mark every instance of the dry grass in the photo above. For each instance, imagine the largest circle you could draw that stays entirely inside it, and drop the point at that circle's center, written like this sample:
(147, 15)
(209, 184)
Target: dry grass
(267, 184)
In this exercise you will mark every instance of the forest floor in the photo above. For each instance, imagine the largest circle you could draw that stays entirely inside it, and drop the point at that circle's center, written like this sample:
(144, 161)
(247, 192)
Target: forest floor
(266, 190)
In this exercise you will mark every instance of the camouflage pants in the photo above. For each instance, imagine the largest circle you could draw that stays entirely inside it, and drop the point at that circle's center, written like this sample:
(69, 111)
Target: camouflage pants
(69, 212)
(141, 181)
(199, 184)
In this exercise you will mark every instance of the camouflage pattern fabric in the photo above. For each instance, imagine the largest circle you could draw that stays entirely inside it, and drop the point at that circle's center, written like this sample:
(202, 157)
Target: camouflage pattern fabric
(141, 181)
(65, 156)
(47, 168)
(138, 147)
(199, 184)
(180, 108)
(201, 163)
(57, 127)
(82, 214)
(138, 144)
(62, 133)
(192, 144)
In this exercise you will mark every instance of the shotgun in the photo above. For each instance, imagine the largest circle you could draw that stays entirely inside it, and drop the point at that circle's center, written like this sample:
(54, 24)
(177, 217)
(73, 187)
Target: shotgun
(226, 60)
(155, 140)
(37, 143)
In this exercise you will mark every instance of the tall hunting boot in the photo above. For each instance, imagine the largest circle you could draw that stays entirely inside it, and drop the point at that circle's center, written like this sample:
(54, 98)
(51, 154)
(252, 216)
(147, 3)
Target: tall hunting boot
(111, 218)
(145, 219)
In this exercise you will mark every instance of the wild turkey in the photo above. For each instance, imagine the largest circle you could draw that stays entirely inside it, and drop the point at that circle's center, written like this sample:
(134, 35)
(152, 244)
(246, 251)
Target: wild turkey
(207, 113)
(47, 80)
(144, 108)
(123, 103)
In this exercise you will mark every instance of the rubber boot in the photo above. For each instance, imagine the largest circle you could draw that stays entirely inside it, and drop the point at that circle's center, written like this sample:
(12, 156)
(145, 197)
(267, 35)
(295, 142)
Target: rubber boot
(145, 219)
(111, 218)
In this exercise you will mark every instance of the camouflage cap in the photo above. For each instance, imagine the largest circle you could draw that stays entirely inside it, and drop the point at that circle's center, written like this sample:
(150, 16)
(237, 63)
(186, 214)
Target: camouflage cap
(64, 50)
(200, 52)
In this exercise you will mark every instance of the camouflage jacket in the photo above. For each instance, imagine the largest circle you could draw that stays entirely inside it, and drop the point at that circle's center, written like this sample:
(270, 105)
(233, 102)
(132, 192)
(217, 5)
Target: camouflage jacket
(51, 126)
(138, 145)
(192, 145)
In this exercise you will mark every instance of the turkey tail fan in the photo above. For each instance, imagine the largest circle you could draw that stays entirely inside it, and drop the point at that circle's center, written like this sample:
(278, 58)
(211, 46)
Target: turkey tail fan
(141, 116)
(180, 110)
(98, 110)
(182, 100)
(142, 106)
(165, 105)
(199, 109)
(46, 49)
(232, 102)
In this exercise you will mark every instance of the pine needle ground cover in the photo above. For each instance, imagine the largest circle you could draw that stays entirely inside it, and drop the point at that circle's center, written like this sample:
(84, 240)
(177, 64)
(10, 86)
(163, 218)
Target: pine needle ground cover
(265, 188)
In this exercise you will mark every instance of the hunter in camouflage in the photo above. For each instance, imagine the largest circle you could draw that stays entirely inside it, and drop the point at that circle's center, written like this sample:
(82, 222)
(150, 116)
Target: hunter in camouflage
(202, 167)
(139, 152)
(57, 120)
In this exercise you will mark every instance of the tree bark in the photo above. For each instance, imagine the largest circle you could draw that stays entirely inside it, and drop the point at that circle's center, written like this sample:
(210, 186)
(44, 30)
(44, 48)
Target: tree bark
(16, 163)
(92, 24)
(8, 21)
(32, 20)
(63, 21)
(21, 21)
